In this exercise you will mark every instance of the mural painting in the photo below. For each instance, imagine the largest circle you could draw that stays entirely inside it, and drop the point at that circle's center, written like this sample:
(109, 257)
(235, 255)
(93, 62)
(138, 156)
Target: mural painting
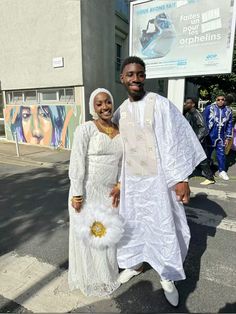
(47, 125)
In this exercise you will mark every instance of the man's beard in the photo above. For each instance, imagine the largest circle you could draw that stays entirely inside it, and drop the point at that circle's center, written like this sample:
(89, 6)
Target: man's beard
(136, 95)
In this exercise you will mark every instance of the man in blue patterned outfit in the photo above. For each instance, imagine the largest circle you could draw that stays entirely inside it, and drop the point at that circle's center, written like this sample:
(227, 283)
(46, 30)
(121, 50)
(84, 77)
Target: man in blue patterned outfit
(218, 118)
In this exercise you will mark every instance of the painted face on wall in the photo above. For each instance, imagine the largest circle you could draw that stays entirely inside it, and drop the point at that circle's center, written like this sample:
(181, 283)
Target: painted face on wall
(37, 124)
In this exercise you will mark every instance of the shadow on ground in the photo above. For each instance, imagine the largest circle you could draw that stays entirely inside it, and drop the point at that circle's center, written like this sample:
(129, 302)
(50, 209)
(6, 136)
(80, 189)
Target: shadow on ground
(32, 204)
(228, 308)
(230, 159)
(143, 294)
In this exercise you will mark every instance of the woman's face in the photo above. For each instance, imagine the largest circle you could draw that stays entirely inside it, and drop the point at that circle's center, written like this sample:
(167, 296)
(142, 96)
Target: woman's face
(103, 106)
(37, 124)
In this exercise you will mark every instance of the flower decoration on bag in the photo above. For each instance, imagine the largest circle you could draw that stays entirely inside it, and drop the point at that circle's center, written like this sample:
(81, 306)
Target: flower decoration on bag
(98, 227)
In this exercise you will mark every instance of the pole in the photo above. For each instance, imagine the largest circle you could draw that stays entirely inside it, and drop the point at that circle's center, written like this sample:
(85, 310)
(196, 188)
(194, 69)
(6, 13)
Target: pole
(17, 145)
(176, 92)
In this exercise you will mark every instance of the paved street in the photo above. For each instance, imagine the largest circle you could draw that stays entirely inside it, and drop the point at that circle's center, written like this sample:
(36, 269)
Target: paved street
(34, 245)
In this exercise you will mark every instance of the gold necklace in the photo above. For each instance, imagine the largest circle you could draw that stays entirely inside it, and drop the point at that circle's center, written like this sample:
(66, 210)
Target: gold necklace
(107, 129)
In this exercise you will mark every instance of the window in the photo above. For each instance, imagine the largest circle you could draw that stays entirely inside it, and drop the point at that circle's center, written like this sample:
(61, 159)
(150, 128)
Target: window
(118, 57)
(9, 97)
(17, 96)
(30, 95)
(120, 42)
(56, 95)
(48, 95)
(66, 95)
(122, 7)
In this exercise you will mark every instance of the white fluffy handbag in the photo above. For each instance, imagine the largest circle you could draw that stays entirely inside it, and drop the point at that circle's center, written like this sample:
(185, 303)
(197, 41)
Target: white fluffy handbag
(98, 226)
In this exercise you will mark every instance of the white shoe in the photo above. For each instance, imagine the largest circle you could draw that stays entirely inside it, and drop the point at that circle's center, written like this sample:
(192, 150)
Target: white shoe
(207, 182)
(127, 274)
(223, 175)
(170, 291)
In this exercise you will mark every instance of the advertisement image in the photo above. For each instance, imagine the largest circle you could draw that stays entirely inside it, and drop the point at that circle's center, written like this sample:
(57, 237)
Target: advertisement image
(183, 37)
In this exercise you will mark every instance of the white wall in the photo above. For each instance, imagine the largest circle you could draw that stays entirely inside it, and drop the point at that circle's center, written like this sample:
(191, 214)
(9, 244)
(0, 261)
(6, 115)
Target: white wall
(32, 33)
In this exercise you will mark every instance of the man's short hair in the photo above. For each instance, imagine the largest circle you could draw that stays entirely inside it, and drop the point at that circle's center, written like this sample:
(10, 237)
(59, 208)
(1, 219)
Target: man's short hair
(193, 99)
(220, 94)
(132, 59)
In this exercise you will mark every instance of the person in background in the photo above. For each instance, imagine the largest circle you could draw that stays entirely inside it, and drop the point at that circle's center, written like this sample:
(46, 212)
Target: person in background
(219, 122)
(198, 125)
(230, 99)
(160, 152)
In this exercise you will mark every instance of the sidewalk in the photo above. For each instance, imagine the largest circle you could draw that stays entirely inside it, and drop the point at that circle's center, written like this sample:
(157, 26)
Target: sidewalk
(220, 187)
(34, 155)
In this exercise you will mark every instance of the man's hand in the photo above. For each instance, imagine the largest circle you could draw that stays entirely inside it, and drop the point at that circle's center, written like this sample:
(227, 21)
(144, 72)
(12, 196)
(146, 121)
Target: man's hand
(115, 194)
(182, 192)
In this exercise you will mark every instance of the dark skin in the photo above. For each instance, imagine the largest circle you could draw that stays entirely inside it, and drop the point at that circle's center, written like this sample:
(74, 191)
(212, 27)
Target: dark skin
(103, 108)
(189, 105)
(133, 77)
(220, 101)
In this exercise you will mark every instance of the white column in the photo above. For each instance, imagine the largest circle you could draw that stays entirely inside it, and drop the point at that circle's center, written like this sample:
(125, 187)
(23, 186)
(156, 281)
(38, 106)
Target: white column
(175, 92)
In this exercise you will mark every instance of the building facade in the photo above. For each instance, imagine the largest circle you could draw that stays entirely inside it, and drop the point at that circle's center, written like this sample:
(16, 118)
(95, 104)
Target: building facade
(53, 54)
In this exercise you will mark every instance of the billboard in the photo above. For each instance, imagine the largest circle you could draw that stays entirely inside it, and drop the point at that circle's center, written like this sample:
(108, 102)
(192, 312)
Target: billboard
(183, 37)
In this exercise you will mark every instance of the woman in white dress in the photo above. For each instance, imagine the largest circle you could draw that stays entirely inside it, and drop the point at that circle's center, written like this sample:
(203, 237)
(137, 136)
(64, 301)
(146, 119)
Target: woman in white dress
(94, 174)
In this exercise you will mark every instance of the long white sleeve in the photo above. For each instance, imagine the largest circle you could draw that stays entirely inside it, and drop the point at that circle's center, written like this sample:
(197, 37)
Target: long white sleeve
(77, 159)
(179, 147)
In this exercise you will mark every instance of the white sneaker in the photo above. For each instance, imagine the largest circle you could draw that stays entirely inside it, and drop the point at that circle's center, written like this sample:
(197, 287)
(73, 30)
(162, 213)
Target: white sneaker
(207, 182)
(223, 175)
(127, 274)
(170, 291)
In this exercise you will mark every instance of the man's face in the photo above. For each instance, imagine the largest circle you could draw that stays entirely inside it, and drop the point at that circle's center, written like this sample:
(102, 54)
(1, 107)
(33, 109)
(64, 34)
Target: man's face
(220, 101)
(133, 77)
(188, 105)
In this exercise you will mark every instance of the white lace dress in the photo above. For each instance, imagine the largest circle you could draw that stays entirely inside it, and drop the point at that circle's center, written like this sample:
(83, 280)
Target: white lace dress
(94, 169)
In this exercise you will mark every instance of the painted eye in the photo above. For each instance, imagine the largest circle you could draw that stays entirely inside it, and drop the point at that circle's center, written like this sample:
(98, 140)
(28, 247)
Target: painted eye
(26, 116)
(44, 112)
(26, 113)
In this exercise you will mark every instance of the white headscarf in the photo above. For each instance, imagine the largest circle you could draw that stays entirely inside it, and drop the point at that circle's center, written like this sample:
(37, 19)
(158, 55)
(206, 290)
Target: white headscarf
(91, 101)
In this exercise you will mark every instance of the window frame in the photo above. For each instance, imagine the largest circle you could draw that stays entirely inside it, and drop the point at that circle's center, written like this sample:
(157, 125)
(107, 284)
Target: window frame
(39, 96)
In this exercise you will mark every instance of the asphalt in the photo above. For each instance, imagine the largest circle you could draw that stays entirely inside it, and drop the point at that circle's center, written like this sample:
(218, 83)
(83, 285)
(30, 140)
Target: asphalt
(211, 215)
(49, 157)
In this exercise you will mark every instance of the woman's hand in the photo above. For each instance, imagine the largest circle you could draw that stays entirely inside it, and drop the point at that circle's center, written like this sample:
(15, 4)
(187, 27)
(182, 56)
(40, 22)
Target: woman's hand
(77, 204)
(115, 194)
(182, 192)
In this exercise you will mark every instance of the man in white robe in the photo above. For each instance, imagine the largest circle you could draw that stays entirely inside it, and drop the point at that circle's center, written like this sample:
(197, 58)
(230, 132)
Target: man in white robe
(160, 152)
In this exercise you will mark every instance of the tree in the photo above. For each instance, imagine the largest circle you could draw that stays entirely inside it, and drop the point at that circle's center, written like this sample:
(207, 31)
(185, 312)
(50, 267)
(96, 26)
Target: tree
(211, 85)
